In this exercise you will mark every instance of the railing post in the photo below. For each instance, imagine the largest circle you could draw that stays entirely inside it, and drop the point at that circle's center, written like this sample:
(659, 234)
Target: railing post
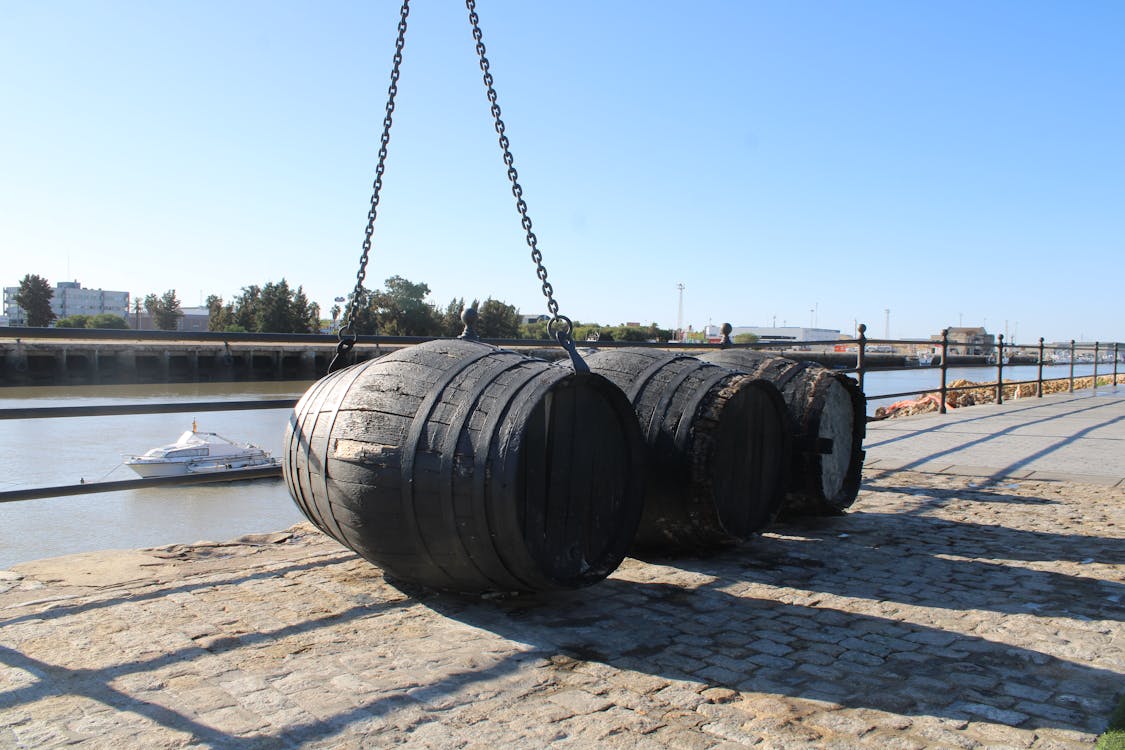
(1072, 365)
(944, 365)
(1096, 345)
(1000, 369)
(1039, 378)
(861, 354)
(1114, 364)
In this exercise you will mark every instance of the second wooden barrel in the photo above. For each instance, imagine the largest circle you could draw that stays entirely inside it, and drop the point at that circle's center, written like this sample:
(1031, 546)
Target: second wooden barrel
(827, 416)
(468, 468)
(717, 447)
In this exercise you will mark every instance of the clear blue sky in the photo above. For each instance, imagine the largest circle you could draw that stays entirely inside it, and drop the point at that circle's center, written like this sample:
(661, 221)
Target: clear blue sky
(954, 161)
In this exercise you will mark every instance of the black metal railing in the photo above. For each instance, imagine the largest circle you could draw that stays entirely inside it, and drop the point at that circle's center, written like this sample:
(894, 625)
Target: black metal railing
(996, 360)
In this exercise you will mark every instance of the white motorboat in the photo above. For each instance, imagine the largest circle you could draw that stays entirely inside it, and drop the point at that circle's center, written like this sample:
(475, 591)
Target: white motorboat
(198, 453)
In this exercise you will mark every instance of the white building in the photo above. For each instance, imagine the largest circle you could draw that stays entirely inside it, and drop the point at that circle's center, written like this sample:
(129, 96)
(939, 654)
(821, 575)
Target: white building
(783, 335)
(71, 299)
(12, 312)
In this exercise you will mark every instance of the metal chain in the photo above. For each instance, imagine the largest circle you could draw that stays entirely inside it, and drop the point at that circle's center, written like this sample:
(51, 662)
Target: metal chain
(347, 333)
(560, 325)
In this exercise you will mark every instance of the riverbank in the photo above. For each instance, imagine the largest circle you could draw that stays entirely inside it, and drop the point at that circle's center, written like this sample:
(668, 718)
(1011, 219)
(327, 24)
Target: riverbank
(985, 393)
(939, 612)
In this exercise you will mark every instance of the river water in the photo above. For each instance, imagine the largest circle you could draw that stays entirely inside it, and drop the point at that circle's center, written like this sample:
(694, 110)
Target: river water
(900, 381)
(51, 452)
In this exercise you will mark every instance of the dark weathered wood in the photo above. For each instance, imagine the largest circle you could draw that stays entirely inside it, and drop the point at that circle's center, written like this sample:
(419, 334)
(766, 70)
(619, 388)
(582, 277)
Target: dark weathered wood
(716, 448)
(826, 417)
(464, 467)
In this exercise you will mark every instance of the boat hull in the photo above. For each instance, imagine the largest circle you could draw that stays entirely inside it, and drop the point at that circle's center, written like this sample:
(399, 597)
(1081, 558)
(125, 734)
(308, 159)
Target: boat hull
(157, 469)
(179, 468)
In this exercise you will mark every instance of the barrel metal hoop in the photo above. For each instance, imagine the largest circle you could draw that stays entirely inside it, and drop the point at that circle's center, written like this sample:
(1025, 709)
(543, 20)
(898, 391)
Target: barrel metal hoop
(414, 436)
(449, 448)
(652, 430)
(303, 498)
(481, 509)
(327, 447)
(649, 373)
(792, 372)
(691, 409)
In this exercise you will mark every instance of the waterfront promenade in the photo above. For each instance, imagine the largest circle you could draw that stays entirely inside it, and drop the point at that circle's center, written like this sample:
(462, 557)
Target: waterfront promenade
(972, 597)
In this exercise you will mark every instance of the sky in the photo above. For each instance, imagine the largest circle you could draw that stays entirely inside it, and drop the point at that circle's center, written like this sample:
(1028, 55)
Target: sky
(906, 165)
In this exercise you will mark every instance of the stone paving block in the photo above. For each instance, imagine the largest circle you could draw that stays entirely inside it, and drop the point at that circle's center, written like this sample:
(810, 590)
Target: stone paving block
(892, 741)
(770, 646)
(992, 713)
(778, 663)
(580, 702)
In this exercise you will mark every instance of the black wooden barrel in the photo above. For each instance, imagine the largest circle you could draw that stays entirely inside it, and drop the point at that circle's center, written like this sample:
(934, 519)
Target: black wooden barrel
(463, 467)
(717, 447)
(827, 416)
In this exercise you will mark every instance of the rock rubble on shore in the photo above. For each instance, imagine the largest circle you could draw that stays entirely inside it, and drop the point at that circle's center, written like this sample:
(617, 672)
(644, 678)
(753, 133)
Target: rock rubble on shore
(984, 393)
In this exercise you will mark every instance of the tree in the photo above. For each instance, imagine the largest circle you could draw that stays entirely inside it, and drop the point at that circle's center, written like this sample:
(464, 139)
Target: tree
(34, 296)
(72, 321)
(246, 307)
(498, 320)
(165, 310)
(358, 315)
(107, 320)
(536, 329)
(275, 312)
(745, 338)
(273, 308)
(451, 323)
(220, 317)
(401, 310)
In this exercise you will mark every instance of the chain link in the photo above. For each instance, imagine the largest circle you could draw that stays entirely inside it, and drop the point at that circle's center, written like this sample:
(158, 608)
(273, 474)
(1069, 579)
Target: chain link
(560, 324)
(347, 333)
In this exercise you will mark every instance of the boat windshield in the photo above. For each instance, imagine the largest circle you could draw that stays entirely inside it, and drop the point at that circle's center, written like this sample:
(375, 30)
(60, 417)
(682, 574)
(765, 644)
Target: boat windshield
(186, 452)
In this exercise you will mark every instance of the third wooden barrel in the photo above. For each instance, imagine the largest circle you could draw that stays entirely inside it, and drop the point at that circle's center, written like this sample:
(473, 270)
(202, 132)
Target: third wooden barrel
(827, 416)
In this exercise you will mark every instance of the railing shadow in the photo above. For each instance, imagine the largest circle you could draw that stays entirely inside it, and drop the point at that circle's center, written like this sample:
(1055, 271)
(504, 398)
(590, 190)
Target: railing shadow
(1002, 473)
(66, 610)
(1006, 413)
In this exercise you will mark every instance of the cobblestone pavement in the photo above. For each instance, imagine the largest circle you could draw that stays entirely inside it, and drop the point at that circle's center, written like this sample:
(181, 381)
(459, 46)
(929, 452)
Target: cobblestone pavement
(943, 611)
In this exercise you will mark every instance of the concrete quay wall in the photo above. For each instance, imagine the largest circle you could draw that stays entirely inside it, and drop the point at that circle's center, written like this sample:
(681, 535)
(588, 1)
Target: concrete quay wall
(47, 362)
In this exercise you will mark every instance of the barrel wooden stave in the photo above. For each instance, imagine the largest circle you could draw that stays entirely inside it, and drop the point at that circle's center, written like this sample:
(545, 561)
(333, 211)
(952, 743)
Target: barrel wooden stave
(420, 463)
(822, 404)
(704, 490)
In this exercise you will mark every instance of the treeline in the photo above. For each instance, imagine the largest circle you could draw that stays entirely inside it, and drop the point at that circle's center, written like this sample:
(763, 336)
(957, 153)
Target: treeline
(400, 308)
(272, 308)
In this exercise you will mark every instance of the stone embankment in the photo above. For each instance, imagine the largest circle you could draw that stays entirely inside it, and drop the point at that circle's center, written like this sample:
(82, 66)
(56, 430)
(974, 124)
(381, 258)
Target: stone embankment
(942, 612)
(985, 393)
